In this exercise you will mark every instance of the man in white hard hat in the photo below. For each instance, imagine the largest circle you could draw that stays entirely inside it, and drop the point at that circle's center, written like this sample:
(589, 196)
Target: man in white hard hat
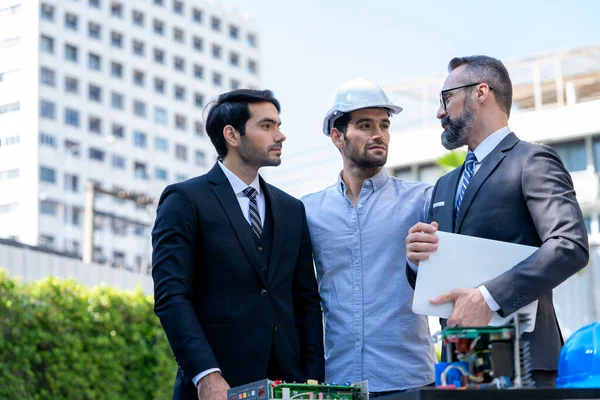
(358, 228)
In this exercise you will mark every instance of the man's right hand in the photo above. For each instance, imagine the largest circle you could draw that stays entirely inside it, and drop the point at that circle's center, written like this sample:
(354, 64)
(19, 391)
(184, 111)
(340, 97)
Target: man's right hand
(213, 387)
(421, 241)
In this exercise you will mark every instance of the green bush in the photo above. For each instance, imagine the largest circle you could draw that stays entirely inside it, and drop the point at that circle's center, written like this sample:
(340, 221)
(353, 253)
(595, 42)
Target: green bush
(62, 340)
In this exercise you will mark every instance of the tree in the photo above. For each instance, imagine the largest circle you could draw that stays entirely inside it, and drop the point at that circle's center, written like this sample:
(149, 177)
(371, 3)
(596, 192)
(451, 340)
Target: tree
(452, 160)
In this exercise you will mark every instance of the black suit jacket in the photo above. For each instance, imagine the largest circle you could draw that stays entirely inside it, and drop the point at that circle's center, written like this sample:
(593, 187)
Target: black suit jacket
(521, 194)
(217, 307)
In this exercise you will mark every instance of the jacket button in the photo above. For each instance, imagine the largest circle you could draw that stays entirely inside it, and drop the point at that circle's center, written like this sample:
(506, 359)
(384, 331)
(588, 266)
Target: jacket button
(259, 249)
(274, 327)
(264, 293)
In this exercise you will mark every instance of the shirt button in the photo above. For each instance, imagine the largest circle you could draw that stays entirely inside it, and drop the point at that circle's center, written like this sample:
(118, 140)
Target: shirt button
(259, 249)
(264, 293)
(368, 183)
(274, 327)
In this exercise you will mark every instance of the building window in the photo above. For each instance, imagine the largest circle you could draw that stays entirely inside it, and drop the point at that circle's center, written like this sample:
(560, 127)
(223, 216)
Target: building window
(159, 27)
(116, 70)
(197, 15)
(72, 117)
(96, 154)
(47, 140)
(47, 175)
(70, 53)
(429, 173)
(235, 84)
(47, 208)
(46, 44)
(138, 78)
(572, 154)
(10, 107)
(179, 64)
(94, 30)
(404, 173)
(179, 93)
(139, 108)
(71, 85)
(47, 109)
(159, 85)
(178, 35)
(138, 18)
(251, 40)
(94, 62)
(138, 48)
(234, 59)
(94, 3)
(71, 183)
(47, 76)
(596, 152)
(160, 174)
(139, 139)
(215, 24)
(72, 215)
(234, 32)
(199, 128)
(73, 148)
(217, 79)
(180, 122)
(198, 43)
(159, 3)
(178, 7)
(216, 51)
(95, 93)
(161, 144)
(116, 39)
(10, 140)
(95, 125)
(198, 71)
(588, 224)
(199, 100)
(160, 116)
(139, 170)
(118, 161)
(117, 101)
(181, 152)
(180, 177)
(200, 158)
(71, 21)
(159, 56)
(252, 66)
(47, 12)
(116, 9)
(118, 131)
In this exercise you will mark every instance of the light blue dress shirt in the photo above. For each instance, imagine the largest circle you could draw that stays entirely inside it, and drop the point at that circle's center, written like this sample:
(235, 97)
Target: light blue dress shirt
(370, 330)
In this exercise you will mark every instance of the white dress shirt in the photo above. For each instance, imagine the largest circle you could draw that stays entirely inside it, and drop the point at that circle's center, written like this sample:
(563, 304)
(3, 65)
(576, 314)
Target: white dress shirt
(238, 188)
(481, 152)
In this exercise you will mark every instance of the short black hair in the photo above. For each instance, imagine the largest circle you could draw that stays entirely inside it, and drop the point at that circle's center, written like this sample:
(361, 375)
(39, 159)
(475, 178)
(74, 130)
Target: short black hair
(232, 108)
(488, 70)
(341, 124)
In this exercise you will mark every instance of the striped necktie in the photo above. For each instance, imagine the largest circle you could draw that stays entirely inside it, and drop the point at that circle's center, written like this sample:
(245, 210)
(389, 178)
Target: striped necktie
(251, 193)
(466, 178)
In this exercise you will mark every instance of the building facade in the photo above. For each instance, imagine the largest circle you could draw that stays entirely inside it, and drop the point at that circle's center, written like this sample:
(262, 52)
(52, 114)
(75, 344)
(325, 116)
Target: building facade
(113, 92)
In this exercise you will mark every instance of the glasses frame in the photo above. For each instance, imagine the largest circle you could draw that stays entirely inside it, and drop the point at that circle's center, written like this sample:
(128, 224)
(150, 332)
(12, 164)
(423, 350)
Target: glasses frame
(443, 101)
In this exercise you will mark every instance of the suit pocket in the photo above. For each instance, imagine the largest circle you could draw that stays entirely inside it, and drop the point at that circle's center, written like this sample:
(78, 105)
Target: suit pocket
(217, 322)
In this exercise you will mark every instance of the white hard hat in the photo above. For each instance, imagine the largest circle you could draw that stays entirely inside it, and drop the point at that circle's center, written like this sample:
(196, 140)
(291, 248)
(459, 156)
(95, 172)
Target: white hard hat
(354, 95)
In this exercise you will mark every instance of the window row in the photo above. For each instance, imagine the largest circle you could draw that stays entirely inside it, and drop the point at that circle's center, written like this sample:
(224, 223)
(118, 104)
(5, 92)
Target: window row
(138, 18)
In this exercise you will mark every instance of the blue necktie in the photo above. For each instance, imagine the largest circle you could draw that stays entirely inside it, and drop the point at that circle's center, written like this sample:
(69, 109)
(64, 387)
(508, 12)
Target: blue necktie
(251, 193)
(464, 182)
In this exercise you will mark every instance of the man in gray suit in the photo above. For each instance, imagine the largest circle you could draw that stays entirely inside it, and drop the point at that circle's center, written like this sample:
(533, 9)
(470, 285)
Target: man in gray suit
(507, 190)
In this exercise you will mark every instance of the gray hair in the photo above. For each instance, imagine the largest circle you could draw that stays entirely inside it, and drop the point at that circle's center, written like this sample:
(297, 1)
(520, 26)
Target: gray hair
(487, 70)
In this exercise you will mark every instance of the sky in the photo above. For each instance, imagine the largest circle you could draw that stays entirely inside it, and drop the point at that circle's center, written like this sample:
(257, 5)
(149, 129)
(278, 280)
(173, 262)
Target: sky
(310, 47)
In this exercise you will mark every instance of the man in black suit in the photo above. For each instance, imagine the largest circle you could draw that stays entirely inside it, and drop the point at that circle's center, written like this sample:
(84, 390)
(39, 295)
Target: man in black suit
(234, 283)
(507, 190)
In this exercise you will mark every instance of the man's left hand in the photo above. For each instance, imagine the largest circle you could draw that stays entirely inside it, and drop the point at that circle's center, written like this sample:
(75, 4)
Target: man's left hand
(470, 308)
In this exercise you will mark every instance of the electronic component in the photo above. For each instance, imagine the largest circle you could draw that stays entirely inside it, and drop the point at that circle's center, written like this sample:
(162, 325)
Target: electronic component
(269, 390)
(485, 357)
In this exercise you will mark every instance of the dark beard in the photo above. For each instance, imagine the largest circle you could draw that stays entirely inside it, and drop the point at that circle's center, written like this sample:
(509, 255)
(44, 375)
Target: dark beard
(457, 131)
(364, 160)
(257, 157)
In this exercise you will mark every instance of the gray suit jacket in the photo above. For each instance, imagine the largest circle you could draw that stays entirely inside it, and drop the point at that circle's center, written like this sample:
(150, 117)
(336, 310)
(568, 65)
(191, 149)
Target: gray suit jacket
(522, 194)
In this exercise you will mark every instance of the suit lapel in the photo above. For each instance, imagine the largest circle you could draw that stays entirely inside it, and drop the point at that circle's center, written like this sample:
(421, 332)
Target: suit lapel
(224, 193)
(277, 217)
(489, 164)
(447, 190)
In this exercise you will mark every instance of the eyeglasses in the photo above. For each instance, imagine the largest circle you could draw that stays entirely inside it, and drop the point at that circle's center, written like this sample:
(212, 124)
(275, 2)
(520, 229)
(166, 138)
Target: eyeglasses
(443, 92)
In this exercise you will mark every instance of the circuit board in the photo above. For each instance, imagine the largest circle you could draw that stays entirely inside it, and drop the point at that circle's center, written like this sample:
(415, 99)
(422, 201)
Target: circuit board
(312, 390)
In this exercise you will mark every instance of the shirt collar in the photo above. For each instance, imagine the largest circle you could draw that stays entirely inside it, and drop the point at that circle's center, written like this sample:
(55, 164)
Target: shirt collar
(490, 143)
(378, 180)
(237, 184)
